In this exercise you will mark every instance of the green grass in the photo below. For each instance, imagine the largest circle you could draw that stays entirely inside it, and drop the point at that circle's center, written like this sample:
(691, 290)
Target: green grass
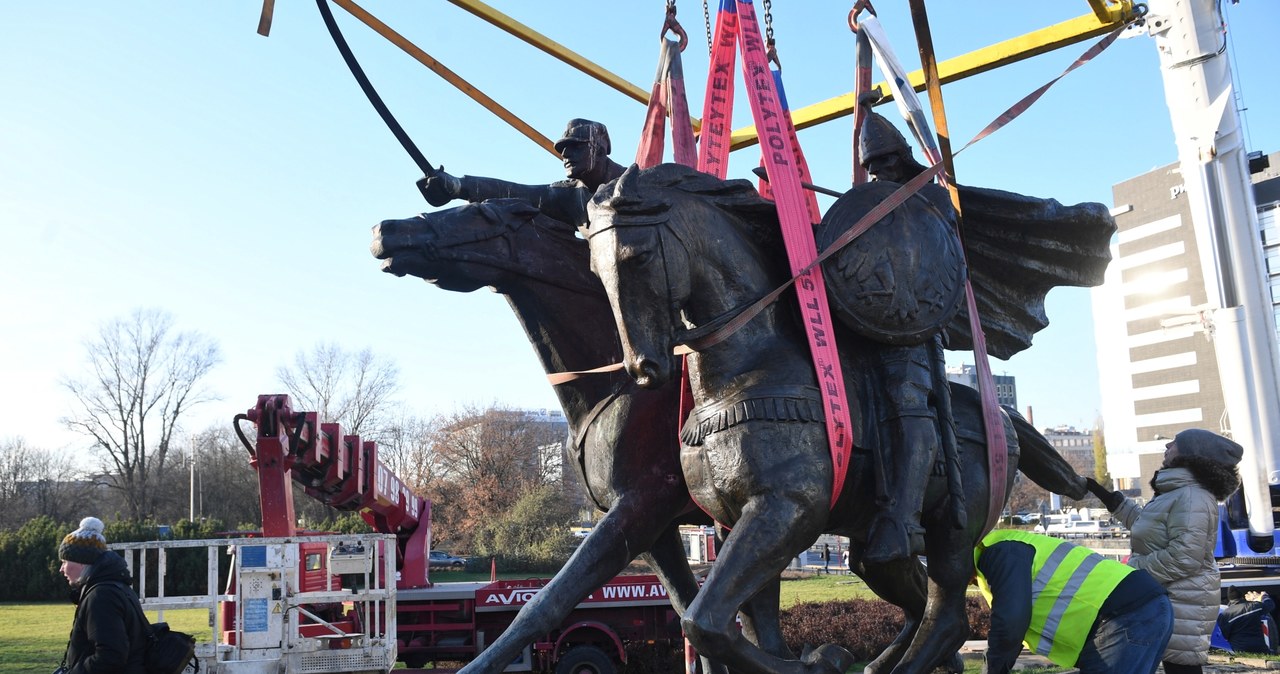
(822, 587)
(35, 635)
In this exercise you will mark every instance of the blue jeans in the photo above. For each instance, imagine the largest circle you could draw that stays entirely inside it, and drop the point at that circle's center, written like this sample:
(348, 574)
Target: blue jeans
(1130, 643)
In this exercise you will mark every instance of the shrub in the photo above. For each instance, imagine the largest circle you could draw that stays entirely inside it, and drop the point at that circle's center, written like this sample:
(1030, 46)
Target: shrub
(29, 557)
(655, 658)
(865, 627)
(533, 536)
(29, 561)
(516, 563)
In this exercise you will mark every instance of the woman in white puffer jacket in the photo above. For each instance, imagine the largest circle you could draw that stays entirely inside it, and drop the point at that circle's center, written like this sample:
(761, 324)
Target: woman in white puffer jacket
(1173, 537)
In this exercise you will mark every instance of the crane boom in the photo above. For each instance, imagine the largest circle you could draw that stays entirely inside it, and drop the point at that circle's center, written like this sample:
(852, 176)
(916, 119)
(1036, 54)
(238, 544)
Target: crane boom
(341, 471)
(1190, 36)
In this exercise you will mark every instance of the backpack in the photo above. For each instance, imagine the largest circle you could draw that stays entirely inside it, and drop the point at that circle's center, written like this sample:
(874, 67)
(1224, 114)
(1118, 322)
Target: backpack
(168, 651)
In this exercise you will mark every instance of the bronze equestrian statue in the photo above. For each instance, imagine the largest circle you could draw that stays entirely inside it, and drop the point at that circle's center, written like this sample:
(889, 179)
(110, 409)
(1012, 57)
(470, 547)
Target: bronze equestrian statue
(678, 250)
(623, 447)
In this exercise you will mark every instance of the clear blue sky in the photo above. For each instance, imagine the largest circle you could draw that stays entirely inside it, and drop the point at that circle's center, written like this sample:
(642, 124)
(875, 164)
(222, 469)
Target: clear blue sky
(159, 154)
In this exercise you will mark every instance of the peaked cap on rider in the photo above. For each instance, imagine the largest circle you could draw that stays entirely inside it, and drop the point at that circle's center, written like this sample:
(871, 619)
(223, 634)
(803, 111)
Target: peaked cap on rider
(584, 131)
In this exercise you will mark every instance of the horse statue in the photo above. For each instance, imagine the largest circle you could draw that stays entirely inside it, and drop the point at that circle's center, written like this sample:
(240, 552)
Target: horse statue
(678, 250)
(624, 438)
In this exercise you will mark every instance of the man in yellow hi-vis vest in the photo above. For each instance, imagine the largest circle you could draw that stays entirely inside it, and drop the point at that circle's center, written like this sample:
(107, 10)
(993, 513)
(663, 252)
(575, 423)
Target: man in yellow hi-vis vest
(1071, 605)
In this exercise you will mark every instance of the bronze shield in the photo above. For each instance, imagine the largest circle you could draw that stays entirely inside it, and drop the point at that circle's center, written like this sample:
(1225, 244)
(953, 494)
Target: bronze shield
(902, 280)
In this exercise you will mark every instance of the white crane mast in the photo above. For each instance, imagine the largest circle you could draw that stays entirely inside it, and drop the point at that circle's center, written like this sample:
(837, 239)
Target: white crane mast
(1191, 38)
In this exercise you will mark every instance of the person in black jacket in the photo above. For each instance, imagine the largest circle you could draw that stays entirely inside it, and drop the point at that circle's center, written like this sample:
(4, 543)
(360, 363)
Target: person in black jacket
(108, 634)
(1243, 621)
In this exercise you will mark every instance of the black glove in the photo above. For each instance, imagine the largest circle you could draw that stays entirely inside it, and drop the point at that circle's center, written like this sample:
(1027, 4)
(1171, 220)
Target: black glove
(440, 188)
(1110, 499)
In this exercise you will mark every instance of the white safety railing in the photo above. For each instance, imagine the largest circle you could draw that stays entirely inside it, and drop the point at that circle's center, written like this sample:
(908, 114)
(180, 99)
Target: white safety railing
(261, 619)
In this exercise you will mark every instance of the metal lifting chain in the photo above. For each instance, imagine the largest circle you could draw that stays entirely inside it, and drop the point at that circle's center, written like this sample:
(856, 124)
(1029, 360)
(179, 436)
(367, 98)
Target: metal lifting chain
(771, 48)
(706, 18)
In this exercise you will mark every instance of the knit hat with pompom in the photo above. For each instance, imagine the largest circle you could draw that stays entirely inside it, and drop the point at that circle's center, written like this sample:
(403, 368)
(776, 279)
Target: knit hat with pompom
(84, 545)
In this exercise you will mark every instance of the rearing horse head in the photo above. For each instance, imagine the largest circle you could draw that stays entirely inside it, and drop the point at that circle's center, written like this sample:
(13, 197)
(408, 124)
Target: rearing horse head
(495, 243)
(647, 230)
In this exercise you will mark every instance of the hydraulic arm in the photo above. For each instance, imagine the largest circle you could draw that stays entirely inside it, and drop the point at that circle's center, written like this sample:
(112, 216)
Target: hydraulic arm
(341, 471)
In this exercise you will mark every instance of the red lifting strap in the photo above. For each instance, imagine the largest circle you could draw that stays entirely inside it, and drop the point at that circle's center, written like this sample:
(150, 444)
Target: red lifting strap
(797, 232)
(669, 94)
(736, 23)
(717, 107)
(802, 165)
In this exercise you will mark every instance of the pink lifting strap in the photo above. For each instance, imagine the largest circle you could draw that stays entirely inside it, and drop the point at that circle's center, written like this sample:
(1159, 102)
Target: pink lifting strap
(717, 106)
(669, 94)
(797, 232)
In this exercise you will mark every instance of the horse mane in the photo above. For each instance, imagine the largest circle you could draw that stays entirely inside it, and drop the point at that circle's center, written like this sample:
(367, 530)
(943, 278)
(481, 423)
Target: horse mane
(500, 211)
(545, 250)
(736, 197)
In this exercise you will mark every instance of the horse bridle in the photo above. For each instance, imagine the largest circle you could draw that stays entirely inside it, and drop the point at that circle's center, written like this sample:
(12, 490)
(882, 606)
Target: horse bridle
(713, 331)
(663, 224)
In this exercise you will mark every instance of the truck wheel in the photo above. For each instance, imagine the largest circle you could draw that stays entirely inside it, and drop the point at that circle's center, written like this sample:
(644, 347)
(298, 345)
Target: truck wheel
(586, 660)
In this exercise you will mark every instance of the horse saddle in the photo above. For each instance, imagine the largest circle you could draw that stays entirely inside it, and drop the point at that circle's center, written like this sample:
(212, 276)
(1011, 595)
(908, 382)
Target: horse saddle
(901, 281)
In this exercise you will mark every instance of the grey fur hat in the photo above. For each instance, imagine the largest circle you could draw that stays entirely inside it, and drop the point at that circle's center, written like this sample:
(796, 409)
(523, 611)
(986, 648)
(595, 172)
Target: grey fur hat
(1208, 445)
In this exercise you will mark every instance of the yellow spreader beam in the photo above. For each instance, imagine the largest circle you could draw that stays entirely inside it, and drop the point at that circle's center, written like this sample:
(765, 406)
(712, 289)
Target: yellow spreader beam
(546, 44)
(979, 61)
(1106, 16)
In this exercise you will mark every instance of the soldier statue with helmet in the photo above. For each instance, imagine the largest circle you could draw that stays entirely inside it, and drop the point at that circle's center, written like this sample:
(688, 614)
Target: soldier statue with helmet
(584, 148)
(898, 286)
(1017, 248)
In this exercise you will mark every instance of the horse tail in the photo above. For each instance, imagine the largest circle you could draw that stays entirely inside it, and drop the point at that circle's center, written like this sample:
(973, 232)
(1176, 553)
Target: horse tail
(1042, 463)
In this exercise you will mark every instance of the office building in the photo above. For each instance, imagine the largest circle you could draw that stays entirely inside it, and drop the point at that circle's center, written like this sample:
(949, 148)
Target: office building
(1156, 357)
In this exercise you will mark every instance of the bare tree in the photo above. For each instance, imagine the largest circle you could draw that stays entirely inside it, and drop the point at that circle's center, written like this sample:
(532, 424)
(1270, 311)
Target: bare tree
(1026, 495)
(144, 378)
(351, 388)
(36, 482)
(505, 444)
(406, 448)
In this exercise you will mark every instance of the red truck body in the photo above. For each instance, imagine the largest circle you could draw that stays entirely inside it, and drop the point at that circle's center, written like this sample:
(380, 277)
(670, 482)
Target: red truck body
(436, 622)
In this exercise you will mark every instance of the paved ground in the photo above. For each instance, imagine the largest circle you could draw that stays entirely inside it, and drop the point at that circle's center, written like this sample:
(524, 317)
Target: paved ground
(1236, 668)
(1218, 664)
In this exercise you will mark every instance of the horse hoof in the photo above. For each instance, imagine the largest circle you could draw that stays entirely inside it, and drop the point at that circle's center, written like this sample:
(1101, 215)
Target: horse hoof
(955, 666)
(830, 659)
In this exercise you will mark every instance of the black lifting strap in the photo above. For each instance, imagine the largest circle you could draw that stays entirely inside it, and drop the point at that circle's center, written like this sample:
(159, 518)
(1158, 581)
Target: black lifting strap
(356, 71)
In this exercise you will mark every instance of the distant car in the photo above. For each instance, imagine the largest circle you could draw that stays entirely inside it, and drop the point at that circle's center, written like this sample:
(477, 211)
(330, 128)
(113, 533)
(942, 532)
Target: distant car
(1083, 529)
(440, 559)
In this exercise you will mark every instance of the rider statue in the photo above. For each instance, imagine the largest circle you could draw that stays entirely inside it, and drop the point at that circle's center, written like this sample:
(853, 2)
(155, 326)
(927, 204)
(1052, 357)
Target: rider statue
(584, 149)
(914, 378)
